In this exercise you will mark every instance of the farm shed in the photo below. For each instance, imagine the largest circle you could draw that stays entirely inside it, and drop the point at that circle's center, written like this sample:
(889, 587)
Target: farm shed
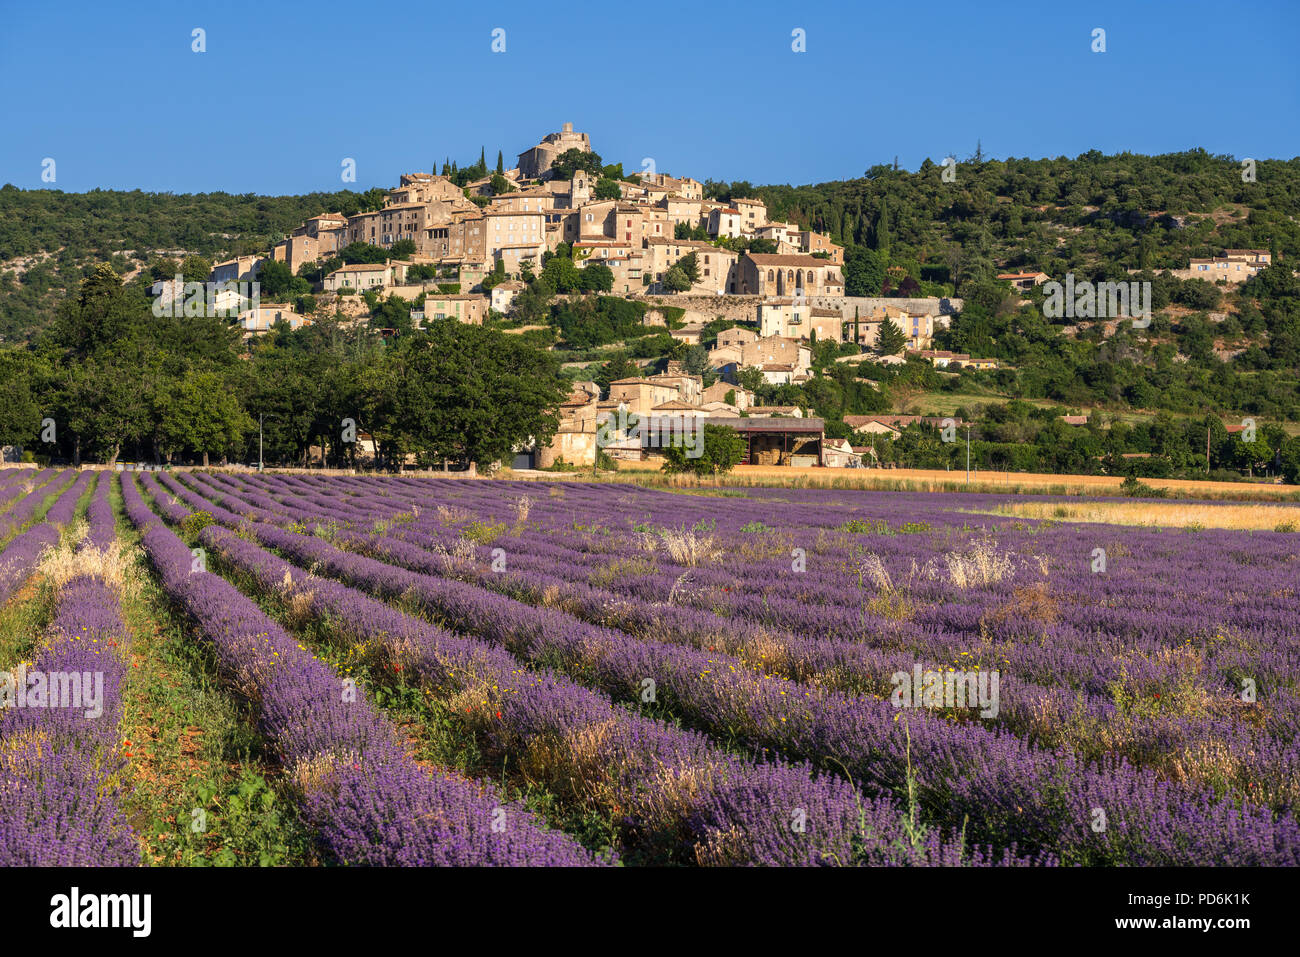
(778, 441)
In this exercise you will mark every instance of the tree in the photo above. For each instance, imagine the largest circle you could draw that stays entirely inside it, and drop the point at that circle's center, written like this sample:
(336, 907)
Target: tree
(675, 279)
(197, 411)
(467, 393)
(690, 267)
(572, 160)
(495, 277)
(20, 383)
(891, 339)
(500, 164)
(882, 228)
(501, 185)
(619, 367)
(695, 360)
(561, 274)
(864, 273)
(719, 449)
(354, 253)
(596, 278)
(750, 379)
(608, 189)
(278, 283)
(196, 269)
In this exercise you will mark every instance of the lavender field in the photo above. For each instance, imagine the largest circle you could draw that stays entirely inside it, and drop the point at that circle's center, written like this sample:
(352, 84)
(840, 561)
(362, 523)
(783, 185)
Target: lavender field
(403, 671)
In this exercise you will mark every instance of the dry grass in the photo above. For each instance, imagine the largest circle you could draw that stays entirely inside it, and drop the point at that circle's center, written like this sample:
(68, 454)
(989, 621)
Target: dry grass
(1161, 514)
(940, 480)
(62, 564)
(688, 547)
(634, 566)
(981, 565)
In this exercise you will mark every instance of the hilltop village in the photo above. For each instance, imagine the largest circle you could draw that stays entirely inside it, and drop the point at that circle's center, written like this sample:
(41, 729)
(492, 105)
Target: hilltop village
(467, 252)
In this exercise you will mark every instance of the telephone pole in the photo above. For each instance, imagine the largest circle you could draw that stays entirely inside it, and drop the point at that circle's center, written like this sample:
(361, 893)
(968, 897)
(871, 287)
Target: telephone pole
(967, 453)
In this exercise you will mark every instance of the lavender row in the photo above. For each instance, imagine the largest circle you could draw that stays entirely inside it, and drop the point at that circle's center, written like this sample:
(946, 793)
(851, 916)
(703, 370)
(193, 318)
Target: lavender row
(20, 557)
(368, 800)
(65, 509)
(61, 805)
(101, 522)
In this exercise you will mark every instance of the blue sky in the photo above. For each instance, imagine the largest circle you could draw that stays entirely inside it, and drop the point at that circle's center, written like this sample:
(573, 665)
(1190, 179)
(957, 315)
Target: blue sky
(284, 92)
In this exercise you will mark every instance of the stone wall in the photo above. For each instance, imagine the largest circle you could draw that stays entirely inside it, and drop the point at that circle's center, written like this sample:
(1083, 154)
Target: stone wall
(745, 308)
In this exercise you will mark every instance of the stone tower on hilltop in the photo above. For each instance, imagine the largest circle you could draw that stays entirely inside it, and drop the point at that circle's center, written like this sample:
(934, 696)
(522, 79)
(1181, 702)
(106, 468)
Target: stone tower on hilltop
(535, 162)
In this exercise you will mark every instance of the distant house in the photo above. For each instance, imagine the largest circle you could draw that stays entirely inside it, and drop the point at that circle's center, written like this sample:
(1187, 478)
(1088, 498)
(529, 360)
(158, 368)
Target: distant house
(469, 309)
(1024, 280)
(838, 454)
(892, 425)
(1234, 266)
(942, 359)
(504, 295)
(742, 398)
(260, 319)
(241, 268)
(687, 334)
(1074, 419)
(363, 276)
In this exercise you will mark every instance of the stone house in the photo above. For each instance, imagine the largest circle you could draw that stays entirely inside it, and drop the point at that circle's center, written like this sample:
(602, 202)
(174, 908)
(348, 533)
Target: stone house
(298, 250)
(777, 350)
(506, 229)
(725, 221)
(839, 454)
(689, 387)
(503, 295)
(736, 337)
(260, 319)
(241, 268)
(466, 308)
(641, 395)
(682, 210)
(1234, 266)
(596, 219)
(717, 269)
(753, 214)
(810, 242)
(741, 398)
(1024, 280)
(462, 240)
(363, 276)
(799, 320)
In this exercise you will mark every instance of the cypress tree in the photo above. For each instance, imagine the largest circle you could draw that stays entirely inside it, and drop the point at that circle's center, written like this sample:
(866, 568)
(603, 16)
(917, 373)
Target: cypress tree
(882, 226)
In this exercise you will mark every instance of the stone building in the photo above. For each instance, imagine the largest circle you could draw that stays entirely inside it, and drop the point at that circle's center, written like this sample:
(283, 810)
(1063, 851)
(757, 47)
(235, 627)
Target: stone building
(799, 320)
(536, 162)
(1234, 266)
(775, 275)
